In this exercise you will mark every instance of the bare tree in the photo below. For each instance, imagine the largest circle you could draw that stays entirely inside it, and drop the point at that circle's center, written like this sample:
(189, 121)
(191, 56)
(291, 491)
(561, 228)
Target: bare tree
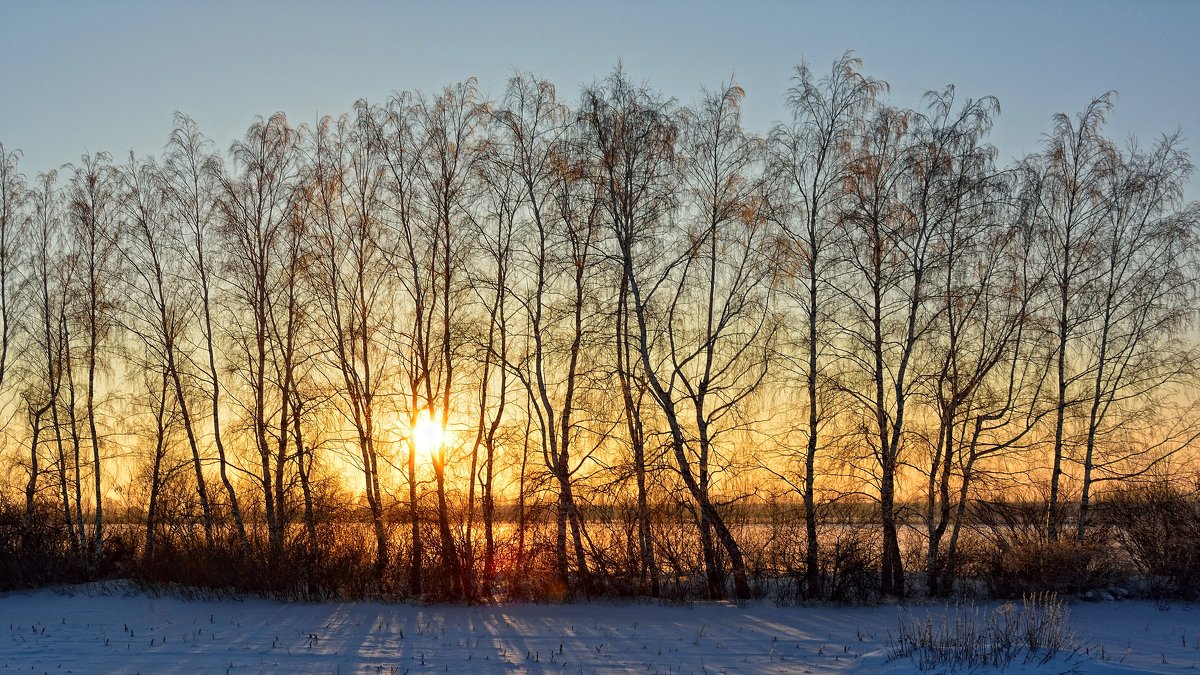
(892, 257)
(49, 264)
(1070, 206)
(396, 131)
(15, 305)
(452, 125)
(809, 167)
(256, 206)
(496, 232)
(630, 139)
(1146, 243)
(149, 249)
(352, 291)
(985, 288)
(562, 246)
(93, 208)
(719, 323)
(190, 176)
(13, 227)
(995, 372)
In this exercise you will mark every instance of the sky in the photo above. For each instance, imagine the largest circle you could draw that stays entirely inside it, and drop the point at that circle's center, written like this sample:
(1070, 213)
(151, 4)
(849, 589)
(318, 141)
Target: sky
(81, 77)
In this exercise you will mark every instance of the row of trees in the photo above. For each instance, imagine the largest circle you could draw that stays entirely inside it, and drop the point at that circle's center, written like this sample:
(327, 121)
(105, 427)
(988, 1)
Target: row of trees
(617, 309)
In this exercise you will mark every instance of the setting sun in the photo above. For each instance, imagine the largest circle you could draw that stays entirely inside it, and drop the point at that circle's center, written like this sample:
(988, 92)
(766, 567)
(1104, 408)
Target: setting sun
(428, 434)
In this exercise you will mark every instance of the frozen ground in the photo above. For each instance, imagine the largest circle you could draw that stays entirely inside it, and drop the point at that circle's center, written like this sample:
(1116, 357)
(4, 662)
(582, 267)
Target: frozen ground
(86, 629)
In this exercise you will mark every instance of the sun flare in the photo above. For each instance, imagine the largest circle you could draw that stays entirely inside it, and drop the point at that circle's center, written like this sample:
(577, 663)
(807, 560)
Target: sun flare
(428, 434)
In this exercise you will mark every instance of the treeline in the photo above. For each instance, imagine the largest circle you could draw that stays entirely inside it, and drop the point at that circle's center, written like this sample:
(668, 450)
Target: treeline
(746, 350)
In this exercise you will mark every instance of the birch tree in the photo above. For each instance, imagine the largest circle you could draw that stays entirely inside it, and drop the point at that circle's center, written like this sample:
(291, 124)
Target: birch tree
(809, 168)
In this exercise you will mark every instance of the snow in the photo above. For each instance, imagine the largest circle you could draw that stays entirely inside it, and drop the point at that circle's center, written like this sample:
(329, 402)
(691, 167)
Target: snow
(121, 629)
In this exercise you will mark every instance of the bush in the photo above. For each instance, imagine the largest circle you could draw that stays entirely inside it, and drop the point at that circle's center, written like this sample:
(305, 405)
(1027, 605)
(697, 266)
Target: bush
(33, 550)
(1027, 563)
(1013, 558)
(850, 565)
(1158, 527)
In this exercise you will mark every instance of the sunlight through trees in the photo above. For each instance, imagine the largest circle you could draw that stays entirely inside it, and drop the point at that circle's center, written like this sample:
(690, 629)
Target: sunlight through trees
(444, 346)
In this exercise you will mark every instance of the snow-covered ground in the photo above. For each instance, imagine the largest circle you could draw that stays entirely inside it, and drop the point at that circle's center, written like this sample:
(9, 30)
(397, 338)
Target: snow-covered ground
(86, 629)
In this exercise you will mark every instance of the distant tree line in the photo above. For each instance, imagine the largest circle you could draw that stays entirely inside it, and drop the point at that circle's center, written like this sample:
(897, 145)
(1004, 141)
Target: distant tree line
(673, 356)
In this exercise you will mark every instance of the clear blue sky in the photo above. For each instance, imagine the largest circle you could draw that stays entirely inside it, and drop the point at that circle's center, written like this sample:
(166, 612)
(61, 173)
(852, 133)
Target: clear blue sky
(87, 76)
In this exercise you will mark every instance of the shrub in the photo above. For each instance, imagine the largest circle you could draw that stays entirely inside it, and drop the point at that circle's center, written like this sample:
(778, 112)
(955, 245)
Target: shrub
(1014, 558)
(33, 550)
(850, 565)
(1157, 526)
(1027, 563)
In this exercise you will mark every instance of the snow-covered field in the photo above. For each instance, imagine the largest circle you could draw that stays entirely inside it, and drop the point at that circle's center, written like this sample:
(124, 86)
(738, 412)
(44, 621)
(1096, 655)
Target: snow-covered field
(86, 629)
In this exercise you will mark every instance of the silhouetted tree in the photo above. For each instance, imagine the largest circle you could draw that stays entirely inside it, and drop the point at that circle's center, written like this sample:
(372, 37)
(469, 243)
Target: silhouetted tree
(809, 168)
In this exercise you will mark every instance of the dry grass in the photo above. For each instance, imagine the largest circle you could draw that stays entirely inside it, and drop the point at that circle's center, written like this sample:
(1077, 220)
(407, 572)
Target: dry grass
(1034, 632)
